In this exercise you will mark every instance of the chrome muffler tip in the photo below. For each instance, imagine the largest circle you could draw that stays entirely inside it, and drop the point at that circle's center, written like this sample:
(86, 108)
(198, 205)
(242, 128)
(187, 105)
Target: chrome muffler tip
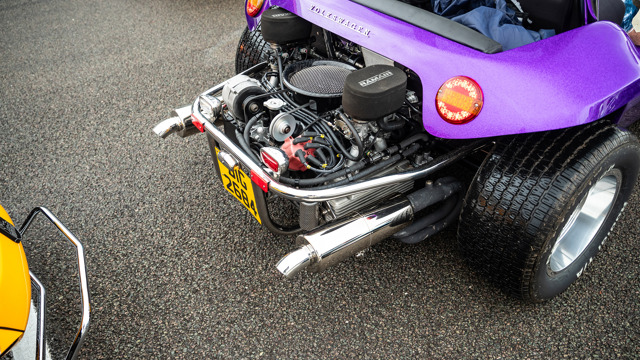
(331, 243)
(168, 127)
(296, 261)
(179, 124)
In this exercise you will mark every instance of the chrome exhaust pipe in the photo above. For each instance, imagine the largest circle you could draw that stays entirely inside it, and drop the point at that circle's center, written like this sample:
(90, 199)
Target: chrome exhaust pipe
(179, 124)
(332, 243)
(182, 124)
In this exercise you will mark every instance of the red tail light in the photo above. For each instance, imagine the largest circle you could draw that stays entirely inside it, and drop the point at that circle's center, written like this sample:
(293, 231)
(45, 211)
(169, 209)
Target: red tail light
(459, 100)
(254, 7)
(270, 162)
(275, 159)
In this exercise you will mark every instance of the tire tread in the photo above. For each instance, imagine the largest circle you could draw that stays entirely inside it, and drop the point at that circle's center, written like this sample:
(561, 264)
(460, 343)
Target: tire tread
(515, 195)
(252, 49)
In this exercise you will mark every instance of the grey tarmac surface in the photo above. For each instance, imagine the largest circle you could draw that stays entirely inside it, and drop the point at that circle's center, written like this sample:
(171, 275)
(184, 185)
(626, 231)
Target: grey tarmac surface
(179, 269)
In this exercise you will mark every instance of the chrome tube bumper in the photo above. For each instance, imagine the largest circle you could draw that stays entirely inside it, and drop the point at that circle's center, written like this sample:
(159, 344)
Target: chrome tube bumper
(41, 341)
(296, 194)
(84, 286)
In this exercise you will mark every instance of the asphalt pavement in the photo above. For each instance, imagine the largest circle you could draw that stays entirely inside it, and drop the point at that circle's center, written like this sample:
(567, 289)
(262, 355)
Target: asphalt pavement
(179, 269)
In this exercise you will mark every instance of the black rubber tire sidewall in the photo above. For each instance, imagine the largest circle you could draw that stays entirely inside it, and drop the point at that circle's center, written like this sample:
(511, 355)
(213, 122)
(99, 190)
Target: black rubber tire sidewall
(524, 193)
(252, 49)
(621, 163)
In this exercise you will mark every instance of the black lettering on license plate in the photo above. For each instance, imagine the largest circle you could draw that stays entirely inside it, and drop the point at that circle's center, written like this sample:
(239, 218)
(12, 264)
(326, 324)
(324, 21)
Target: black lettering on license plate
(237, 186)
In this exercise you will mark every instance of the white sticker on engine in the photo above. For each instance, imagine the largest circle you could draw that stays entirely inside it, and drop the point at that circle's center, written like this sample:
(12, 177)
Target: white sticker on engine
(374, 79)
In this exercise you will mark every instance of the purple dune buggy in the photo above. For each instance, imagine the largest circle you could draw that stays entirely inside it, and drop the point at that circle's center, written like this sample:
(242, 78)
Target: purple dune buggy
(374, 119)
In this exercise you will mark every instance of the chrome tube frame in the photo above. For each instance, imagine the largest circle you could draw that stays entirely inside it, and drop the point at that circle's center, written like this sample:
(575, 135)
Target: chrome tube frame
(41, 345)
(82, 271)
(300, 195)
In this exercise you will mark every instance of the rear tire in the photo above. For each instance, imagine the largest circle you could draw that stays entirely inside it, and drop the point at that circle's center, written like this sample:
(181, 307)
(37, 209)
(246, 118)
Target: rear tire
(252, 50)
(528, 220)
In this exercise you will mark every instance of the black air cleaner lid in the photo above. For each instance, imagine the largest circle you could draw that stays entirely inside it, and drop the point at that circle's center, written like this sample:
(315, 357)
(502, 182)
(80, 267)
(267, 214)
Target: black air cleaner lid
(282, 27)
(374, 92)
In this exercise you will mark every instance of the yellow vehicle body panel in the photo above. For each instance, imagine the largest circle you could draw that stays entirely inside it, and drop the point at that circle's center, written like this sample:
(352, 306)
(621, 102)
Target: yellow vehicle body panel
(8, 338)
(15, 289)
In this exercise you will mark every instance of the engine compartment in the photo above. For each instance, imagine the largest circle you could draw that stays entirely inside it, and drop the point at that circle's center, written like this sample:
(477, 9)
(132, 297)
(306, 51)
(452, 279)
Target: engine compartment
(326, 111)
(347, 136)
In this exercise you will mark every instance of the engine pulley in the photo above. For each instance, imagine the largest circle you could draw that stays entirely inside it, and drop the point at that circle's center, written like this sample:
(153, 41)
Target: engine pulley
(282, 126)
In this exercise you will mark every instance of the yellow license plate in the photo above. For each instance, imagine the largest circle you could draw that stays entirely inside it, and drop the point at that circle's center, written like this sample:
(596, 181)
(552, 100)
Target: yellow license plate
(239, 185)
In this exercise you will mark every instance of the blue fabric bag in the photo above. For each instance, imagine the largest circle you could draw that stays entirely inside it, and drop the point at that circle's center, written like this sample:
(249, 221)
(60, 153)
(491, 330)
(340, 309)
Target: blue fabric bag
(493, 19)
(629, 12)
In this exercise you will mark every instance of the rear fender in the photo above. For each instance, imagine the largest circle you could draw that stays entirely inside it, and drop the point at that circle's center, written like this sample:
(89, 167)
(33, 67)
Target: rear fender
(567, 80)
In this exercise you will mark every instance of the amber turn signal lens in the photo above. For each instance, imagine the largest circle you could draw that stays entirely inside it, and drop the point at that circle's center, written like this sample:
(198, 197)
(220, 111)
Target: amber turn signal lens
(254, 7)
(459, 100)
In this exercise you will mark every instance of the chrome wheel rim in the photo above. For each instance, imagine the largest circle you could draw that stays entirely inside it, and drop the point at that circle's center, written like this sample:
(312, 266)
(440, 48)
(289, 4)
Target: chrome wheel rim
(584, 223)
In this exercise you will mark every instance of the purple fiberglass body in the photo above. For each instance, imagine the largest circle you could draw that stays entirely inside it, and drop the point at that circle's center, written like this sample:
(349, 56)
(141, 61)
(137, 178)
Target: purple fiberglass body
(377, 119)
(569, 79)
